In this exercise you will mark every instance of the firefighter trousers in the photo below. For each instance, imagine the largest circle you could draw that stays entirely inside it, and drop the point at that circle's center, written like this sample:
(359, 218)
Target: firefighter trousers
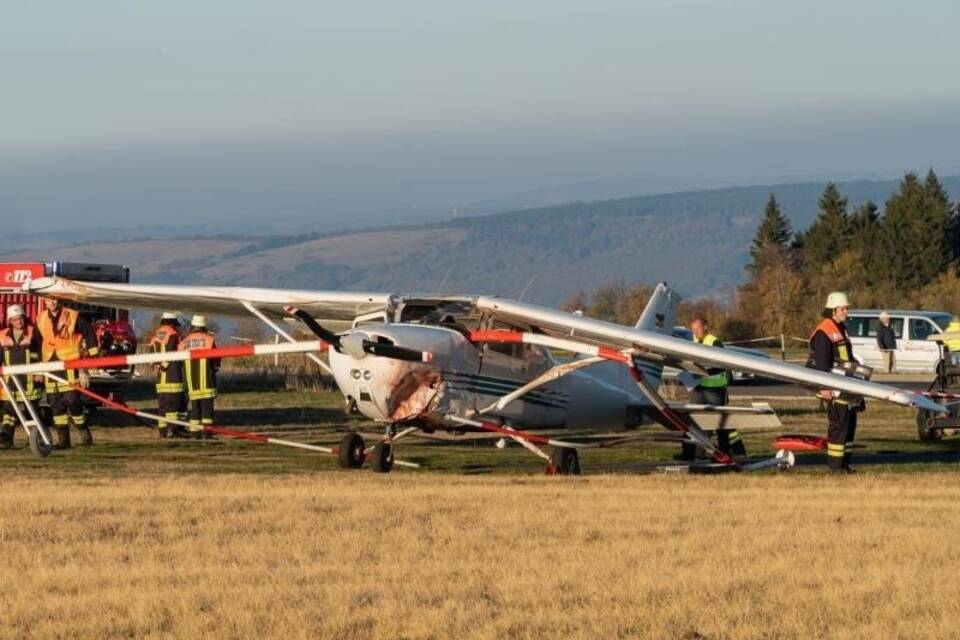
(201, 413)
(841, 429)
(67, 407)
(9, 414)
(171, 406)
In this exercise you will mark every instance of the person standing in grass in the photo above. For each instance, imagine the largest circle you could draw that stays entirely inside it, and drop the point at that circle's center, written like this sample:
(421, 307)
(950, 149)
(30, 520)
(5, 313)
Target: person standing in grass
(201, 377)
(830, 348)
(887, 342)
(712, 389)
(19, 344)
(169, 386)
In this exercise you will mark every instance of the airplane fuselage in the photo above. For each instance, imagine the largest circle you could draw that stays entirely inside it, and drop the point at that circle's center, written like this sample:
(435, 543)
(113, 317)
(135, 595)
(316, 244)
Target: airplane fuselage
(463, 378)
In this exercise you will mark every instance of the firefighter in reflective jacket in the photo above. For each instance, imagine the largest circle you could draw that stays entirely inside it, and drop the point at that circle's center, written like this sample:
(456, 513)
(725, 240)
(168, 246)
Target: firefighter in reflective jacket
(66, 336)
(170, 387)
(20, 344)
(712, 389)
(830, 347)
(201, 375)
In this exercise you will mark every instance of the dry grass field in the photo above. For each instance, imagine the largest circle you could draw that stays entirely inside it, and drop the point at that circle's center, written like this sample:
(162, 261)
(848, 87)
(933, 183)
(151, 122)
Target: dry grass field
(138, 537)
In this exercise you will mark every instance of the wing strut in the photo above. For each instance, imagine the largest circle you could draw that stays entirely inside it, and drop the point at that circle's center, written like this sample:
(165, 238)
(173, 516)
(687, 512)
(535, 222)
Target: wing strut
(677, 423)
(283, 334)
(555, 373)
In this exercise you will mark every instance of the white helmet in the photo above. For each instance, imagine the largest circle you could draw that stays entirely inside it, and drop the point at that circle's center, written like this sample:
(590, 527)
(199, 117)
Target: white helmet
(199, 322)
(168, 315)
(837, 299)
(15, 311)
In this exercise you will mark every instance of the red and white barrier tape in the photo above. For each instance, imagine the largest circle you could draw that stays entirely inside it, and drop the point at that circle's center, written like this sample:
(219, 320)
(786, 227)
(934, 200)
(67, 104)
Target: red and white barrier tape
(106, 362)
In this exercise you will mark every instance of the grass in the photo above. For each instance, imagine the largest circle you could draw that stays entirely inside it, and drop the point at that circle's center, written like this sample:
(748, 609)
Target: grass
(141, 537)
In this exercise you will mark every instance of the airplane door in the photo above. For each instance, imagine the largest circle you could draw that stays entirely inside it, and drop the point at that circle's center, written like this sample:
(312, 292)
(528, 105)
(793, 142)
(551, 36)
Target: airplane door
(506, 367)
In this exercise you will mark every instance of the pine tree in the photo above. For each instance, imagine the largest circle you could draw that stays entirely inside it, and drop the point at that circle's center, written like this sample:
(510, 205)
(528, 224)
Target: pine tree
(774, 232)
(941, 209)
(829, 235)
(913, 243)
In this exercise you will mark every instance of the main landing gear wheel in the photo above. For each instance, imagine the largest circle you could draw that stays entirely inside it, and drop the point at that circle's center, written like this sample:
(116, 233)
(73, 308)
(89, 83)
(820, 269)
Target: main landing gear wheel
(351, 453)
(37, 445)
(565, 461)
(924, 424)
(382, 459)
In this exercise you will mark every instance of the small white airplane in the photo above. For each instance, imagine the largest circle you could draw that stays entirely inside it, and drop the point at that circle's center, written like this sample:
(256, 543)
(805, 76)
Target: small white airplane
(431, 364)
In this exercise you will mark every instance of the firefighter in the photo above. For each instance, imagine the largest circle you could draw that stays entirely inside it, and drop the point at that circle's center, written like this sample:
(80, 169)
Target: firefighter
(170, 387)
(830, 347)
(712, 389)
(20, 344)
(66, 336)
(201, 377)
(953, 346)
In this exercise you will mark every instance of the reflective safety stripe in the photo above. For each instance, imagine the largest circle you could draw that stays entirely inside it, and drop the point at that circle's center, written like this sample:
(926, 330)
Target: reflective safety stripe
(734, 436)
(170, 387)
(717, 380)
(835, 450)
(842, 352)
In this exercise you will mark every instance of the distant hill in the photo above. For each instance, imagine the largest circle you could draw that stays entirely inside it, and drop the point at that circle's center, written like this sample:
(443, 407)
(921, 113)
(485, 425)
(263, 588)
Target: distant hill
(698, 241)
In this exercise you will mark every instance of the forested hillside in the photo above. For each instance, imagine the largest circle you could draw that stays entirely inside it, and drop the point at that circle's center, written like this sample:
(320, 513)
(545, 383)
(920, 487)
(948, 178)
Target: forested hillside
(698, 241)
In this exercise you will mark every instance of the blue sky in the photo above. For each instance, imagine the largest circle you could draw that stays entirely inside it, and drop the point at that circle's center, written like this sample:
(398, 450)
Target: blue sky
(525, 93)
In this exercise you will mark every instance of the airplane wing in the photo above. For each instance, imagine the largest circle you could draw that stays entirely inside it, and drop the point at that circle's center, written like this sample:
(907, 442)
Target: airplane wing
(226, 301)
(657, 346)
(343, 306)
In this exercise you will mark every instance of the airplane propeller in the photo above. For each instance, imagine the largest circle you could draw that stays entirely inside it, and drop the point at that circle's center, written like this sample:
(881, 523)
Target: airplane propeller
(356, 345)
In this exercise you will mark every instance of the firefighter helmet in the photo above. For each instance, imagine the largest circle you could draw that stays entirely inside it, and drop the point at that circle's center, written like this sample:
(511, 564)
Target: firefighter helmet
(837, 299)
(168, 315)
(199, 322)
(15, 311)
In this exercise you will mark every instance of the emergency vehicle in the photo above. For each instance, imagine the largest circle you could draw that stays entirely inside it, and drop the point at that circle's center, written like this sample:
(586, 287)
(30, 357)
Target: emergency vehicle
(114, 330)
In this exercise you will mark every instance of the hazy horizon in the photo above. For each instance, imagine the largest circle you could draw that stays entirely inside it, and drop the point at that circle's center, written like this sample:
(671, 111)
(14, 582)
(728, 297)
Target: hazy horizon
(322, 116)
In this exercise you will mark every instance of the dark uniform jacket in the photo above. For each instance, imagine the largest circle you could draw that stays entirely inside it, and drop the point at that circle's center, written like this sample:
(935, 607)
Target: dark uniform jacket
(169, 374)
(830, 345)
(201, 375)
(21, 349)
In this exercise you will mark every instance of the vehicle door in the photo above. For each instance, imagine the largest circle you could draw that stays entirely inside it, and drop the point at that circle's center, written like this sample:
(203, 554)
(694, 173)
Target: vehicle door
(914, 352)
(862, 330)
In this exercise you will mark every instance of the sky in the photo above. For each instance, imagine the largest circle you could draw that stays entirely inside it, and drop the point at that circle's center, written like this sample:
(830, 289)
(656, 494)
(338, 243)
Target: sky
(370, 110)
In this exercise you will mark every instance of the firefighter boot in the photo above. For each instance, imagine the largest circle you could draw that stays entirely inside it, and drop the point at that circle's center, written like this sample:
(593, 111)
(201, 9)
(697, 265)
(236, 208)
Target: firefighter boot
(86, 437)
(6, 436)
(63, 438)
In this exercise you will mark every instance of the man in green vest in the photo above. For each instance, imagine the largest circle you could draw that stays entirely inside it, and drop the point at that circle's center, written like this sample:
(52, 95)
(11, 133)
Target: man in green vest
(712, 389)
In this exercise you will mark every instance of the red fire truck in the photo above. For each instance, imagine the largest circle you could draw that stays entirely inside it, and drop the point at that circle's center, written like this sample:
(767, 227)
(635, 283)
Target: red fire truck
(114, 331)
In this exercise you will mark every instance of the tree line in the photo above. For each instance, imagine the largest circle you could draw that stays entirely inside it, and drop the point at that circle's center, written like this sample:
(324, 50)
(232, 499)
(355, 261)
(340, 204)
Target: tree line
(904, 257)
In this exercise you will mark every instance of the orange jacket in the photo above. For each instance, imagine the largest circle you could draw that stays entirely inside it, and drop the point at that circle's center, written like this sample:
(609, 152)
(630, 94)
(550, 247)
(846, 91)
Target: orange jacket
(65, 335)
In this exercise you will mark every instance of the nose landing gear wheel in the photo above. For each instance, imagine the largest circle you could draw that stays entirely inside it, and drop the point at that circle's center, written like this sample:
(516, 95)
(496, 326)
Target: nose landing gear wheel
(382, 459)
(351, 453)
(565, 461)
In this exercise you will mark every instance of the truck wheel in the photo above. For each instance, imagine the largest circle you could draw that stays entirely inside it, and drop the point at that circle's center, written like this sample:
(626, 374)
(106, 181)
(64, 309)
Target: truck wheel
(924, 424)
(351, 452)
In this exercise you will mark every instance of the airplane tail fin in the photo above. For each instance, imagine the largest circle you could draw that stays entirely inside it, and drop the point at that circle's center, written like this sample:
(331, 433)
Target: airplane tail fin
(659, 316)
(661, 312)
